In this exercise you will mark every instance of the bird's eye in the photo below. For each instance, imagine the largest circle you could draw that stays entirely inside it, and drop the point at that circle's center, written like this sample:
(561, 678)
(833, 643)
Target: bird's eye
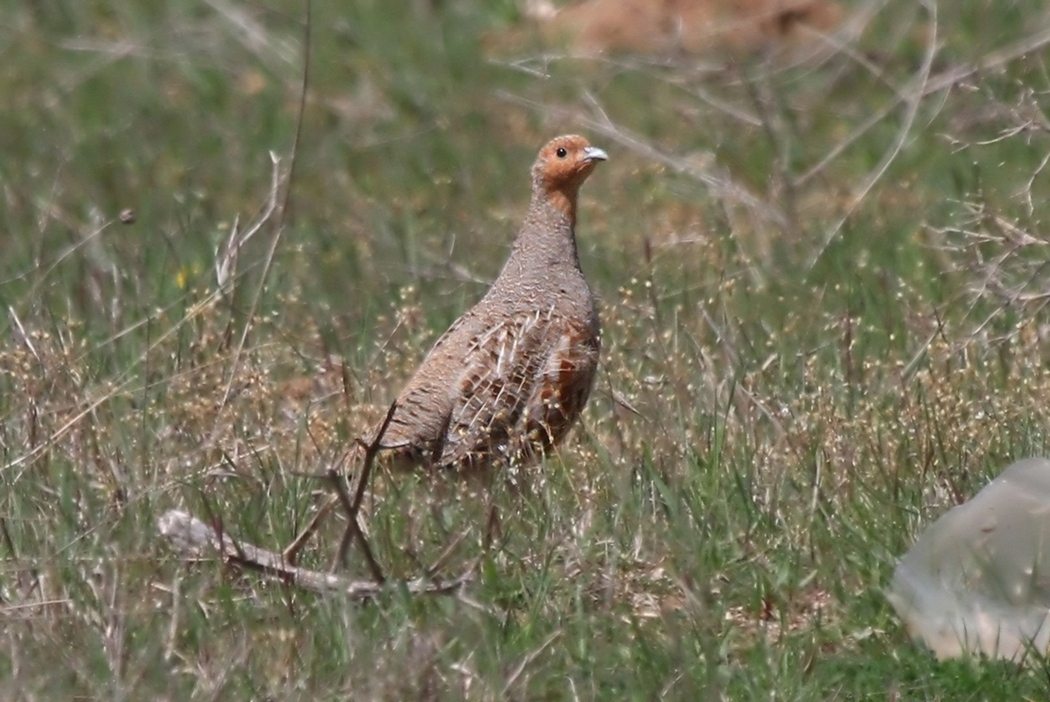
(562, 153)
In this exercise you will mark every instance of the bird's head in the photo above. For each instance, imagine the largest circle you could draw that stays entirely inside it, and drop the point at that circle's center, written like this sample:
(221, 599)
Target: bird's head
(562, 166)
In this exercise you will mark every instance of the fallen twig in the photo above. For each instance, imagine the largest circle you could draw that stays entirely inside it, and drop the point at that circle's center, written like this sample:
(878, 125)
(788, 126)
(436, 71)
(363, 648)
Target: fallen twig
(193, 539)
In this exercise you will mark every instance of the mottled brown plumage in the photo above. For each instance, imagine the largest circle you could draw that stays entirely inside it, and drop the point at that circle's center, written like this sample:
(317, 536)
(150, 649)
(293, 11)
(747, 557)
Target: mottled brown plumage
(509, 378)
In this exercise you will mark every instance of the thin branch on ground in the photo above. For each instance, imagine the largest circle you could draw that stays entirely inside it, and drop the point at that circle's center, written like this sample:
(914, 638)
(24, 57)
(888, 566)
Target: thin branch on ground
(195, 540)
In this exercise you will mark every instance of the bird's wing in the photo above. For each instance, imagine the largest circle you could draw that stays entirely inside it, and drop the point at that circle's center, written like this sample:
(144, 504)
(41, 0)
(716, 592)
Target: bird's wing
(425, 403)
(509, 378)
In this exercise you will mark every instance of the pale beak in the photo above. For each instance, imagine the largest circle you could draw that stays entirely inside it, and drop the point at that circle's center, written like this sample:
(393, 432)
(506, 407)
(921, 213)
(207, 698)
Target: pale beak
(593, 153)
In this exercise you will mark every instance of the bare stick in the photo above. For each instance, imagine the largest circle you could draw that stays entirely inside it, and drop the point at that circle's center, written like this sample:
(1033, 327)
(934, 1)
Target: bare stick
(218, 527)
(193, 539)
(370, 453)
(353, 527)
(291, 552)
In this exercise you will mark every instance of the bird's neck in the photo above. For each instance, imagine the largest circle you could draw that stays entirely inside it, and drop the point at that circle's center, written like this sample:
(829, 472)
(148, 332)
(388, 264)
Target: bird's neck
(564, 201)
(547, 239)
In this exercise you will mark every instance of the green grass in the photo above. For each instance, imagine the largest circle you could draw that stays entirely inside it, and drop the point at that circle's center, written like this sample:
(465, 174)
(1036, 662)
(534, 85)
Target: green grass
(809, 396)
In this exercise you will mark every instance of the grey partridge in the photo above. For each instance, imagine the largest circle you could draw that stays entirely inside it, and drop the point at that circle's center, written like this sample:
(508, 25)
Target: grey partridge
(509, 378)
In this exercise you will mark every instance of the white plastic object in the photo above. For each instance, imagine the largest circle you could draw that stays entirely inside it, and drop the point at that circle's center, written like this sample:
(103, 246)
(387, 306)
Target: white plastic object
(977, 581)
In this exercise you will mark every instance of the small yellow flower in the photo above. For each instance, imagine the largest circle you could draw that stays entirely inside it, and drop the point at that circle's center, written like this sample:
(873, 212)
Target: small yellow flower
(182, 278)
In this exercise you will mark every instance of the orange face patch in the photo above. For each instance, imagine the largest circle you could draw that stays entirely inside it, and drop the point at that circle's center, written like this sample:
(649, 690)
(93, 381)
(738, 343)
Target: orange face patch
(563, 164)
